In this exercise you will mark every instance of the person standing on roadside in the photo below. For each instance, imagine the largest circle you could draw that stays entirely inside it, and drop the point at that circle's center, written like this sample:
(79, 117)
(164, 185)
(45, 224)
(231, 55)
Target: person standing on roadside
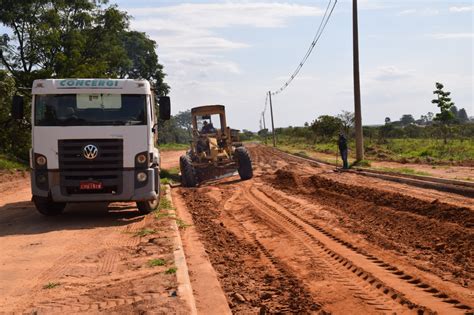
(342, 144)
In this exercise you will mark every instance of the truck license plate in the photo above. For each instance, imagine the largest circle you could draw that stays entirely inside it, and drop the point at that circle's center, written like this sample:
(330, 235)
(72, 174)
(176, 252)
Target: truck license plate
(90, 185)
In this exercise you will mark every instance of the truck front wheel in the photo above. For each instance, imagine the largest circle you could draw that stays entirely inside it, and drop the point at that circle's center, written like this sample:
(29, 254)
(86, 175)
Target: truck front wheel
(148, 206)
(48, 207)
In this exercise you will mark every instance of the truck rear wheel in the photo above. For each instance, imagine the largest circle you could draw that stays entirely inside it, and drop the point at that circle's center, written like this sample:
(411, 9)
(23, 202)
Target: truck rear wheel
(244, 163)
(46, 206)
(188, 173)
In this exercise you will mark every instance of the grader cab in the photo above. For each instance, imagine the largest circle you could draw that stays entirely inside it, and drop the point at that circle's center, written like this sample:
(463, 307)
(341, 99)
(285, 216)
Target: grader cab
(215, 148)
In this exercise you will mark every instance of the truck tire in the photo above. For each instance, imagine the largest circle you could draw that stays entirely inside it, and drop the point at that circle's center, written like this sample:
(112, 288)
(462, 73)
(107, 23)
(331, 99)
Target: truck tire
(46, 206)
(148, 206)
(244, 163)
(188, 173)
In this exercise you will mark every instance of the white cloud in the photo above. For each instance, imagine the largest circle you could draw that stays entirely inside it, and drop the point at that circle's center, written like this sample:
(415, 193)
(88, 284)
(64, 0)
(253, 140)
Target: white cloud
(390, 73)
(452, 35)
(190, 35)
(407, 12)
(219, 15)
(461, 9)
(420, 12)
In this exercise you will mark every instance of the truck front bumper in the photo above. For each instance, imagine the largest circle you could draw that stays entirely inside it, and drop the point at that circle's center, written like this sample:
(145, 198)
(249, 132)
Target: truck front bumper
(61, 188)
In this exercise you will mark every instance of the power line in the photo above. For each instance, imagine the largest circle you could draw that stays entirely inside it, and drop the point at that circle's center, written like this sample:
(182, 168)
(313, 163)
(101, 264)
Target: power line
(318, 34)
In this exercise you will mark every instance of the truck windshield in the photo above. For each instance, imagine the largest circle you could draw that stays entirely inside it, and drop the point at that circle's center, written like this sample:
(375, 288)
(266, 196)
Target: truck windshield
(90, 109)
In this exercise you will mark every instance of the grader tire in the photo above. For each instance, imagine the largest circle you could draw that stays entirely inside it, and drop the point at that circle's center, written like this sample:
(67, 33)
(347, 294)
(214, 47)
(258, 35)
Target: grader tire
(188, 173)
(244, 163)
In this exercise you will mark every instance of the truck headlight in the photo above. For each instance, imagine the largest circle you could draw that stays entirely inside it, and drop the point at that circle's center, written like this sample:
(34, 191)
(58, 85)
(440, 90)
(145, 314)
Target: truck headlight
(40, 160)
(141, 177)
(141, 158)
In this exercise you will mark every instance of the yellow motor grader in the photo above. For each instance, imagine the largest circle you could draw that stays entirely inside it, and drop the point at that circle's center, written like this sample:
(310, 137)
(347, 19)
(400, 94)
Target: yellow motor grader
(215, 148)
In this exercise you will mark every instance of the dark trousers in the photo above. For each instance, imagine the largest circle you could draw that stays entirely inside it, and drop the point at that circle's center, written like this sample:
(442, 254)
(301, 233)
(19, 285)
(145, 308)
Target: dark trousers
(344, 158)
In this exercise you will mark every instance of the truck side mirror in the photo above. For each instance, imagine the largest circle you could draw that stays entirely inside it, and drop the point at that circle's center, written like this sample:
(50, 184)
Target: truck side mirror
(17, 107)
(165, 107)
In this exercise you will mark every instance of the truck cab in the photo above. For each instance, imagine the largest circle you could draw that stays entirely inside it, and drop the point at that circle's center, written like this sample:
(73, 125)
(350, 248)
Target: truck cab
(93, 140)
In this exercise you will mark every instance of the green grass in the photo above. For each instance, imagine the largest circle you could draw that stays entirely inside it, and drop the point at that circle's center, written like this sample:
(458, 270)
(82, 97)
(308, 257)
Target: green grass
(181, 224)
(173, 146)
(169, 176)
(403, 170)
(161, 215)
(11, 165)
(165, 203)
(51, 285)
(156, 262)
(410, 150)
(171, 271)
(363, 163)
(145, 232)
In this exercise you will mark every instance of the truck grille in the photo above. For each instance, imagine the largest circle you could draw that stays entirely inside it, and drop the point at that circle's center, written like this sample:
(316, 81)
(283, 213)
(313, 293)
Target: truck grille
(106, 167)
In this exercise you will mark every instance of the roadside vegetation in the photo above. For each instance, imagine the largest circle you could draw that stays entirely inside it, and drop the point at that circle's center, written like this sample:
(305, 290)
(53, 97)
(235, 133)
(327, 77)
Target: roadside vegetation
(9, 164)
(446, 137)
(66, 39)
(402, 150)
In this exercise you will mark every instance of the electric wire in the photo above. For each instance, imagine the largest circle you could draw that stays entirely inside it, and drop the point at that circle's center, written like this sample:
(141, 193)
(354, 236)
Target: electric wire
(317, 36)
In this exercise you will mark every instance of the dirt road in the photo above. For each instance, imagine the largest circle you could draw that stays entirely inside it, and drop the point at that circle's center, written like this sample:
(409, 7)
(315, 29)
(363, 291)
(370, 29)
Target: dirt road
(303, 239)
(87, 260)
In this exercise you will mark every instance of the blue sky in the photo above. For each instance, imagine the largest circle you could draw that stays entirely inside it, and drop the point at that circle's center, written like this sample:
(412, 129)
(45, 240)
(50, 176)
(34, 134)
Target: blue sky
(233, 52)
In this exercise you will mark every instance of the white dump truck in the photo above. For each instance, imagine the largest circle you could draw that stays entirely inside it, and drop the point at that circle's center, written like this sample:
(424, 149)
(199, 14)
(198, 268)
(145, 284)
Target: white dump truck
(93, 140)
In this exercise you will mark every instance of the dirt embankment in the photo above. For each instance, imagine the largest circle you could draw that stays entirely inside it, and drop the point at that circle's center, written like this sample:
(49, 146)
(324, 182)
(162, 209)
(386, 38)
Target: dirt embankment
(438, 235)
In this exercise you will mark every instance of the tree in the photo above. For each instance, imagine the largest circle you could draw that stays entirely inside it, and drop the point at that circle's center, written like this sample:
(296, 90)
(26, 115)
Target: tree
(82, 38)
(347, 120)
(326, 126)
(444, 103)
(462, 116)
(407, 119)
(429, 116)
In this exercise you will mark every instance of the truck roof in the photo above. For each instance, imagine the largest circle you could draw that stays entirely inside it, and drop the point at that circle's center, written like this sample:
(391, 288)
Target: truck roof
(91, 85)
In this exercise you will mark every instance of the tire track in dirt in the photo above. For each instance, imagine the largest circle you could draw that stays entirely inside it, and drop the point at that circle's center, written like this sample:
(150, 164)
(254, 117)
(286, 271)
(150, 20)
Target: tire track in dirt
(427, 295)
(412, 227)
(339, 267)
(254, 281)
(349, 294)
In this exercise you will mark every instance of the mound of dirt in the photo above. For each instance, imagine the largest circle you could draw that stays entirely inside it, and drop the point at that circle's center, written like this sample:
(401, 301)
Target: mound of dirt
(435, 209)
(437, 235)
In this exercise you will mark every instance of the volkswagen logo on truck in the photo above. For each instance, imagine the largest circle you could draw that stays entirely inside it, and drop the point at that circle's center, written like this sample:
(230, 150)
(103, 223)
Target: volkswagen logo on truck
(90, 151)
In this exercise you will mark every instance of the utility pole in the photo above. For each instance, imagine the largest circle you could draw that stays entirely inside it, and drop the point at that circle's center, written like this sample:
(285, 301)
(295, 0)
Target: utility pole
(264, 126)
(357, 110)
(271, 114)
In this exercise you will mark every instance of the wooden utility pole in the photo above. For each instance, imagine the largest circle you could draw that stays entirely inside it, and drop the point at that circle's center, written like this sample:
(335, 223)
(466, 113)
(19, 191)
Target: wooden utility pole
(264, 126)
(357, 110)
(271, 114)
